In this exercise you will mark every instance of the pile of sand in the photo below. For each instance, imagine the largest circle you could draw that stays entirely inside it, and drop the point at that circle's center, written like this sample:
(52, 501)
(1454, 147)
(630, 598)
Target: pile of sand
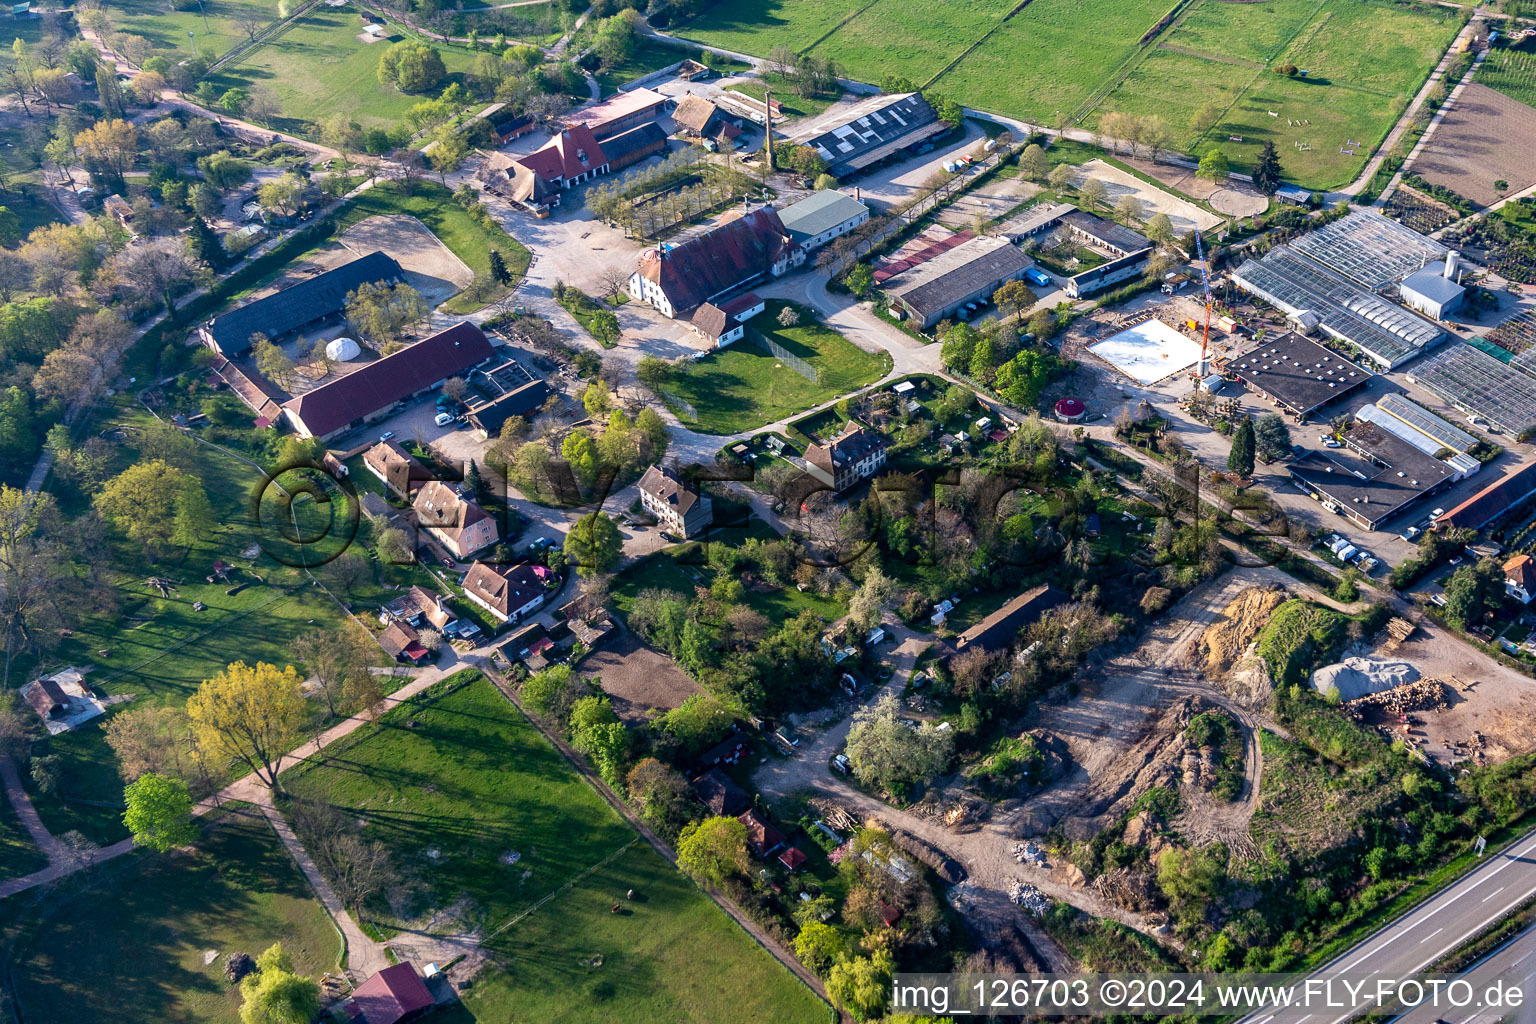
(1225, 640)
(1359, 677)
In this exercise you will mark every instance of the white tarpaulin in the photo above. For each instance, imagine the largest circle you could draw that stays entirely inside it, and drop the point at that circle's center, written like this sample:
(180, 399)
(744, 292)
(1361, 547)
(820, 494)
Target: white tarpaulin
(1148, 352)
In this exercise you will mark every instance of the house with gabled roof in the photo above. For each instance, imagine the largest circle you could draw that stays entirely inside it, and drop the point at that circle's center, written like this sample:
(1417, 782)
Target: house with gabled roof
(678, 279)
(677, 503)
(310, 303)
(509, 592)
(854, 455)
(453, 520)
(396, 468)
(720, 325)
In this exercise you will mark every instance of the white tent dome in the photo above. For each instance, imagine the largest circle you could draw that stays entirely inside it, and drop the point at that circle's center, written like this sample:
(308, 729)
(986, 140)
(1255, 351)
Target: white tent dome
(342, 350)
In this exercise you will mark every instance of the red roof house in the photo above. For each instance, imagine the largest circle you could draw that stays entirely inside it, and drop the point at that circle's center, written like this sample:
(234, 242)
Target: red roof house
(792, 858)
(393, 995)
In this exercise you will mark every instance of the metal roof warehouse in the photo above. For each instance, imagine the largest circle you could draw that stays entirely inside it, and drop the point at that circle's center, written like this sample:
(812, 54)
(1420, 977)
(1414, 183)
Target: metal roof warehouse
(1297, 374)
(967, 273)
(1372, 477)
(874, 129)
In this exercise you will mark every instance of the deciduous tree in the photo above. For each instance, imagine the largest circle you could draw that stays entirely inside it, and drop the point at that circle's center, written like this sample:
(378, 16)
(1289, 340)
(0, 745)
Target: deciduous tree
(250, 714)
(159, 812)
(712, 850)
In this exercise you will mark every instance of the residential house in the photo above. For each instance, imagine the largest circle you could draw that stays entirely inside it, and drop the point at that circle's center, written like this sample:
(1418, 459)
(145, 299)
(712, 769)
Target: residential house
(396, 468)
(303, 306)
(720, 325)
(822, 216)
(402, 643)
(537, 180)
(854, 455)
(506, 126)
(525, 644)
(696, 117)
(678, 279)
(372, 392)
(48, 698)
(392, 996)
(508, 592)
(416, 607)
(719, 795)
(762, 838)
(677, 504)
(453, 520)
(1520, 578)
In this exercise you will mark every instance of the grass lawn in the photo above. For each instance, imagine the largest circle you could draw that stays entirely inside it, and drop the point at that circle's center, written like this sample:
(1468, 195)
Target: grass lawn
(470, 778)
(146, 923)
(433, 205)
(793, 104)
(1511, 72)
(319, 68)
(538, 24)
(166, 24)
(757, 26)
(1250, 32)
(744, 387)
(649, 56)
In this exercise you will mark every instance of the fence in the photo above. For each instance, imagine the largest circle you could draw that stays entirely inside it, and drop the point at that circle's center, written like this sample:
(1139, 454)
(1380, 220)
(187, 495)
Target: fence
(790, 360)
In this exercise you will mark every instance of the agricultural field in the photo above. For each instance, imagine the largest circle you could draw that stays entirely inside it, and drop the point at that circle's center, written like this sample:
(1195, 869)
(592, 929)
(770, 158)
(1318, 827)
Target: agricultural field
(477, 809)
(933, 33)
(743, 387)
(215, 25)
(148, 924)
(1487, 137)
(1174, 86)
(319, 68)
(756, 26)
(1511, 71)
(1255, 33)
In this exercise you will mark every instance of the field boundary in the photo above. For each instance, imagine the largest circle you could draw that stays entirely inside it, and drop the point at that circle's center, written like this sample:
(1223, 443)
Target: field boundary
(829, 33)
(272, 31)
(1117, 77)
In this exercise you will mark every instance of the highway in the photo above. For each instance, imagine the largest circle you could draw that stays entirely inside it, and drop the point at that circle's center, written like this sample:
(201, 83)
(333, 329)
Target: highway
(1513, 963)
(1426, 933)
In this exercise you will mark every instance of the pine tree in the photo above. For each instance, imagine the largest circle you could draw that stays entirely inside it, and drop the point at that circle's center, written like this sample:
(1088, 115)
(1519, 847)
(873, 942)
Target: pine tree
(1240, 458)
(474, 482)
(499, 272)
(1266, 176)
(205, 244)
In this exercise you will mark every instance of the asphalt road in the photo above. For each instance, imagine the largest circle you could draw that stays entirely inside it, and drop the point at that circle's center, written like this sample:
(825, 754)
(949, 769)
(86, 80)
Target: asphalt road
(1514, 963)
(1427, 932)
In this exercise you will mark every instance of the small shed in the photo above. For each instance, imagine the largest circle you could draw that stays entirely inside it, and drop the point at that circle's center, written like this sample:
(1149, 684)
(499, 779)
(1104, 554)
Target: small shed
(392, 996)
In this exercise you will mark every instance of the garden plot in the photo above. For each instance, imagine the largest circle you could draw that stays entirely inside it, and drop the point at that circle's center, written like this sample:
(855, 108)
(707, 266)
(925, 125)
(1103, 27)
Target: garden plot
(640, 681)
(1185, 216)
(1485, 137)
(1148, 352)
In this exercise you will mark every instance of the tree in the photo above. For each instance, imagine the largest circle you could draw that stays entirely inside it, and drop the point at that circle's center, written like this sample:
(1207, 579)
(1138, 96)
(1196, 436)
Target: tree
(1033, 163)
(552, 692)
(819, 945)
(1159, 228)
(597, 399)
(411, 66)
(251, 715)
(155, 504)
(1213, 166)
(39, 582)
(154, 271)
(356, 867)
(1240, 458)
(698, 723)
(282, 195)
(233, 101)
(204, 245)
(1266, 174)
(499, 272)
(1095, 193)
(1473, 591)
(449, 151)
(1272, 436)
(662, 793)
(274, 994)
(884, 752)
(340, 661)
(712, 850)
(1206, 117)
(789, 316)
(273, 363)
(1128, 210)
(159, 812)
(1060, 177)
(1014, 297)
(597, 732)
(382, 313)
(109, 148)
(593, 544)
(604, 325)
(861, 279)
(869, 602)
(862, 985)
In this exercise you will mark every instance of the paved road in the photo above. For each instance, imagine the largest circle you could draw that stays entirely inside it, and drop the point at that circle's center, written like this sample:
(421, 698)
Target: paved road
(1429, 931)
(1512, 964)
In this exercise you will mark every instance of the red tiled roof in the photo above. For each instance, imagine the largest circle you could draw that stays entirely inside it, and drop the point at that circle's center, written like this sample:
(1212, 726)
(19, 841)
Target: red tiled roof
(891, 268)
(1521, 571)
(717, 261)
(1492, 501)
(792, 858)
(740, 304)
(562, 156)
(391, 995)
(505, 587)
(381, 384)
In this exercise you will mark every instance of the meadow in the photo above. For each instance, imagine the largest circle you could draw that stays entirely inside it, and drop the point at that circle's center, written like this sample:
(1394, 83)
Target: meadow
(743, 387)
(130, 944)
(213, 25)
(455, 782)
(933, 33)
(318, 68)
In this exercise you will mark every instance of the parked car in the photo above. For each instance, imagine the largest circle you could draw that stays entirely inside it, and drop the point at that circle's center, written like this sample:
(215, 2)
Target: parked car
(442, 419)
(840, 762)
(1330, 441)
(386, 435)
(1410, 534)
(787, 735)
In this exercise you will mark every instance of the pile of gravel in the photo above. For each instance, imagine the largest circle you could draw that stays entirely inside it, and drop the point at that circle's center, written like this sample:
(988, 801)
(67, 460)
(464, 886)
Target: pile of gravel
(1359, 677)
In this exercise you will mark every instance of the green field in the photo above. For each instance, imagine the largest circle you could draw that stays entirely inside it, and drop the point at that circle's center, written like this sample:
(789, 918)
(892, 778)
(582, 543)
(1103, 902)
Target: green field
(1511, 72)
(1085, 57)
(318, 68)
(743, 387)
(466, 775)
(166, 23)
(129, 947)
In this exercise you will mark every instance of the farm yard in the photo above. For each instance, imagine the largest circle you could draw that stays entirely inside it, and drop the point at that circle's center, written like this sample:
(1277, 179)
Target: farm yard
(745, 386)
(1082, 58)
(487, 822)
(1487, 136)
(318, 68)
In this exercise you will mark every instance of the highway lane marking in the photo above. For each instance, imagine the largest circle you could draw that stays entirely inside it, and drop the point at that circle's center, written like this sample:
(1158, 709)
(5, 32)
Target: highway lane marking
(1431, 935)
(1265, 1020)
(1491, 895)
(1517, 963)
